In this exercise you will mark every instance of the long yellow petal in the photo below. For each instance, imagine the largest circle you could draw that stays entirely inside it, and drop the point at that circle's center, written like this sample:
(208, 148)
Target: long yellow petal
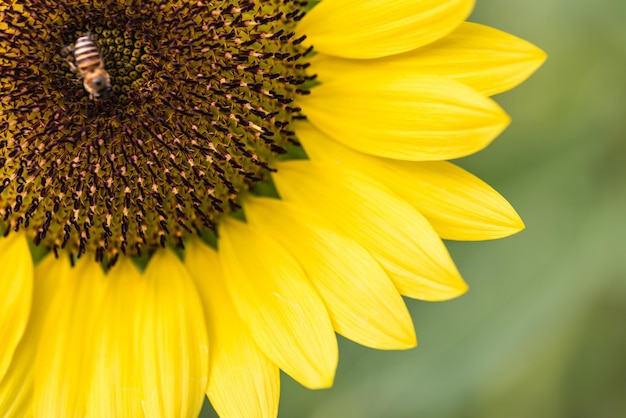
(64, 360)
(16, 389)
(173, 343)
(283, 311)
(16, 288)
(377, 28)
(243, 382)
(397, 235)
(457, 204)
(486, 59)
(402, 115)
(362, 301)
(116, 385)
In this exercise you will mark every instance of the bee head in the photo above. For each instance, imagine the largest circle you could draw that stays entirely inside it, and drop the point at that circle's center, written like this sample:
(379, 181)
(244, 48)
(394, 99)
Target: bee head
(104, 93)
(98, 84)
(102, 87)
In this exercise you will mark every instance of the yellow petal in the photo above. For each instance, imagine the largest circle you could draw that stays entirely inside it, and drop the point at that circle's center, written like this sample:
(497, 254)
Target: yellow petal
(116, 384)
(283, 311)
(243, 382)
(16, 287)
(457, 204)
(402, 115)
(363, 303)
(398, 236)
(173, 343)
(64, 359)
(486, 59)
(16, 389)
(378, 28)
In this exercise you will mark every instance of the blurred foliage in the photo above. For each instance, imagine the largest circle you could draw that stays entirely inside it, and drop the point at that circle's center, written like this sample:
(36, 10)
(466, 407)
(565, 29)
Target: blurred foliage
(540, 334)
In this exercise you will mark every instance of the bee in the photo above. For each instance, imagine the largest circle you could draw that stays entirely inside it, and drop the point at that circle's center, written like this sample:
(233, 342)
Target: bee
(89, 66)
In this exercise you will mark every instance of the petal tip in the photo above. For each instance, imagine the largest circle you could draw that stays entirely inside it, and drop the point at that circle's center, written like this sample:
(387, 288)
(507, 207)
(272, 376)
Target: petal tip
(410, 341)
(455, 287)
(516, 226)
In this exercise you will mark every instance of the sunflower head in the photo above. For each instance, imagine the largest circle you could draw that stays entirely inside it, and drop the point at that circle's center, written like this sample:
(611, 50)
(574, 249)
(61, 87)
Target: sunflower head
(203, 100)
(201, 106)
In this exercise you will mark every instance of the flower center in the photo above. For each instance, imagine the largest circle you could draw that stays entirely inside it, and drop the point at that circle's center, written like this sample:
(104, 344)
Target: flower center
(200, 107)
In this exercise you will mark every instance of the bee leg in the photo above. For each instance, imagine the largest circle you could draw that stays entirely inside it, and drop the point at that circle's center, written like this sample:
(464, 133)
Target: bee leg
(73, 67)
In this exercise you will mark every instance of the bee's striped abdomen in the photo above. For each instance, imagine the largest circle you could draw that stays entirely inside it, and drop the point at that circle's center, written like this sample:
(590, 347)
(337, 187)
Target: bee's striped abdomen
(89, 63)
(86, 54)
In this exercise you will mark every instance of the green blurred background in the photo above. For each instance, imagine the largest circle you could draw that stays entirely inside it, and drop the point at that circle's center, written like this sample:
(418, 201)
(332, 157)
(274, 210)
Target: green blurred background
(541, 332)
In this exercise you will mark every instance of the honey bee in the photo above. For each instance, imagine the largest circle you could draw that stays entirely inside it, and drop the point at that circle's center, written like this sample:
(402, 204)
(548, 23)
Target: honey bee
(89, 66)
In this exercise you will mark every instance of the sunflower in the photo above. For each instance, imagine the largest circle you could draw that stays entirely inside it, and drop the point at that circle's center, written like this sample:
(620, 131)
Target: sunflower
(259, 179)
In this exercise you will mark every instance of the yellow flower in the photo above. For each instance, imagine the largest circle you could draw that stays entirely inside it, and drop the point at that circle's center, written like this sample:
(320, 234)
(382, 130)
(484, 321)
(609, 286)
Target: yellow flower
(126, 311)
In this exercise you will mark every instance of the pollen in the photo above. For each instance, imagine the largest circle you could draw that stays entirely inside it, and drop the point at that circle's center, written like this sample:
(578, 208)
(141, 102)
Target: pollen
(201, 108)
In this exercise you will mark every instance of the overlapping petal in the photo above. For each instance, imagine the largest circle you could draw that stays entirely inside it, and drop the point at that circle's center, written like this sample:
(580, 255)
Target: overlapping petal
(172, 340)
(116, 389)
(16, 288)
(458, 205)
(398, 236)
(64, 359)
(17, 386)
(284, 312)
(361, 300)
(403, 115)
(377, 28)
(486, 59)
(243, 382)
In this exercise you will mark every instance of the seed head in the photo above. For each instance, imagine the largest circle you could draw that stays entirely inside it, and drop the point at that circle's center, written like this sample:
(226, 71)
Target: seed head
(201, 106)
